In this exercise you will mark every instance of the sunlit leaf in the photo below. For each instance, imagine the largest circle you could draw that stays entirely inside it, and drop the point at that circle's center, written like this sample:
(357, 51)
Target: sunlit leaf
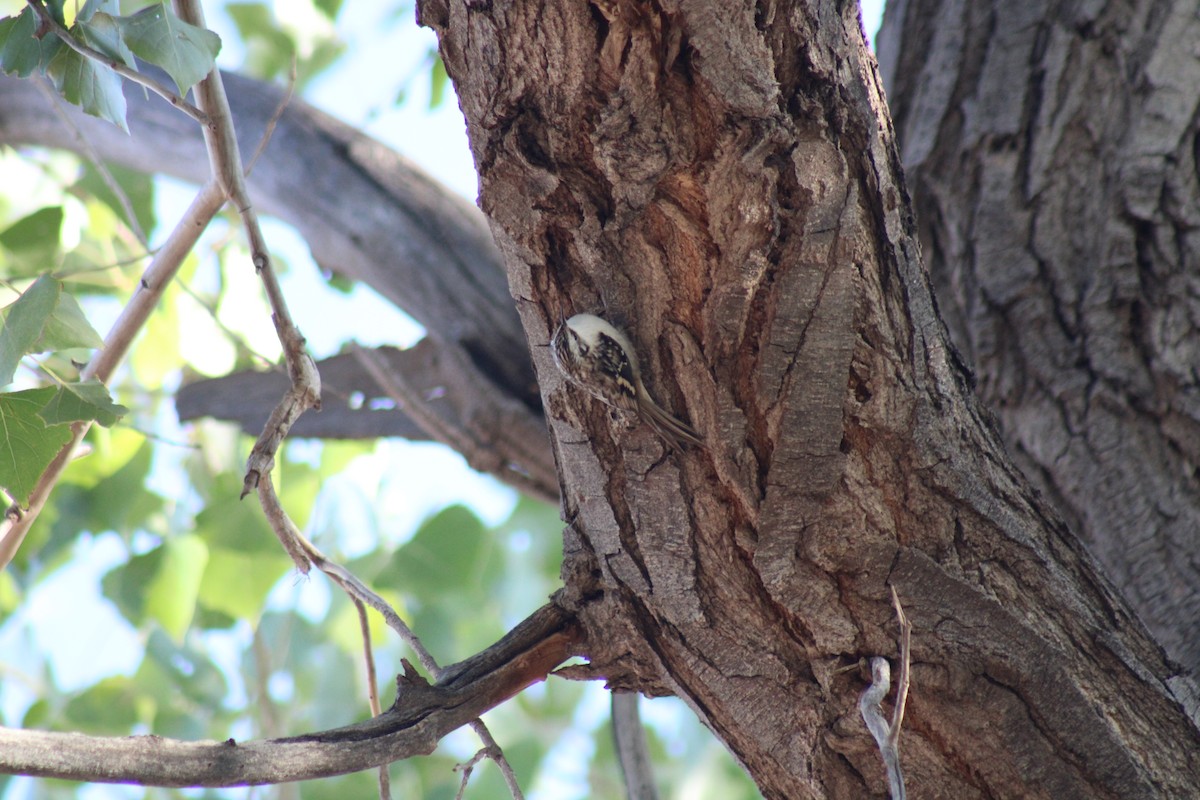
(186, 52)
(236, 583)
(120, 501)
(10, 593)
(438, 81)
(270, 51)
(36, 235)
(27, 444)
(330, 8)
(138, 188)
(24, 322)
(82, 401)
(68, 328)
(111, 450)
(171, 593)
(88, 84)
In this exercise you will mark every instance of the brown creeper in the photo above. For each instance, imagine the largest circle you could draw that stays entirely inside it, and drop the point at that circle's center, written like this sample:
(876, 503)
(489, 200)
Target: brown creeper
(598, 358)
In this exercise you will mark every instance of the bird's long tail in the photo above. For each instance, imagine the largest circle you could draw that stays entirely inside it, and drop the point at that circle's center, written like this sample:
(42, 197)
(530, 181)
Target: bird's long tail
(677, 433)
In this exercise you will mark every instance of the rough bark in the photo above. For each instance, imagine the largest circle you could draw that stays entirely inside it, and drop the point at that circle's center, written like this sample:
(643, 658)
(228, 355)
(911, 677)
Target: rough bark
(1052, 153)
(725, 182)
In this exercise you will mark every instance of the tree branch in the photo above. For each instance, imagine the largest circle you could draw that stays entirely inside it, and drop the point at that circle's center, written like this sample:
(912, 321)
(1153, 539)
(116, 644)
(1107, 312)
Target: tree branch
(421, 716)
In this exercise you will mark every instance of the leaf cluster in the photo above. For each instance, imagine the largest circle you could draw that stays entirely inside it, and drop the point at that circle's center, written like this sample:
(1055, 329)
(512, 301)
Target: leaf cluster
(83, 60)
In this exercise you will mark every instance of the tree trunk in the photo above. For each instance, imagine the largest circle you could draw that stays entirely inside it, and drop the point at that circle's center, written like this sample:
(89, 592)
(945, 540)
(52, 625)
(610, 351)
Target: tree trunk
(1055, 183)
(726, 184)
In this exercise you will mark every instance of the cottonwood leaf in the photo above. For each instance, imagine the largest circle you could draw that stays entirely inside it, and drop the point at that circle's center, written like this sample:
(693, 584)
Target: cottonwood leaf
(22, 53)
(88, 84)
(171, 593)
(103, 32)
(67, 327)
(24, 321)
(27, 443)
(186, 52)
(33, 240)
(90, 400)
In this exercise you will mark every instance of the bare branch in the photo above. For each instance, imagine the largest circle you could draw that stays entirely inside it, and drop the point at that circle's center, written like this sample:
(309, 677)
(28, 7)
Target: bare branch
(421, 716)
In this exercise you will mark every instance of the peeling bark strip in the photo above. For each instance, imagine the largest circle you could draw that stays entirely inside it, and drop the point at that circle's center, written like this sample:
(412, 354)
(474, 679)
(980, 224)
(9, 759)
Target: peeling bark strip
(724, 181)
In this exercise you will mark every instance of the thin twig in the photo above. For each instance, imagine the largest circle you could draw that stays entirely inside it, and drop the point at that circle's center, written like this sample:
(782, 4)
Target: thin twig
(274, 120)
(116, 66)
(496, 754)
(466, 769)
(158, 274)
(364, 630)
(633, 754)
(225, 159)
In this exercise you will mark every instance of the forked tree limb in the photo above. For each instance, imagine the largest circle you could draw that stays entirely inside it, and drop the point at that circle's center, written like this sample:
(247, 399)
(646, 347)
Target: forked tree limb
(422, 715)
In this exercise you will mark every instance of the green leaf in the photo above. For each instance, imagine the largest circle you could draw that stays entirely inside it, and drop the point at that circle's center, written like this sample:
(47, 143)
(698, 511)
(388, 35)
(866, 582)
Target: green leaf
(27, 444)
(82, 401)
(103, 32)
(330, 8)
(186, 52)
(36, 235)
(171, 593)
(160, 585)
(237, 583)
(270, 51)
(56, 10)
(67, 328)
(125, 585)
(21, 52)
(90, 8)
(24, 322)
(138, 188)
(185, 668)
(438, 80)
(88, 84)
(231, 523)
(119, 500)
(103, 709)
(10, 593)
(444, 552)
